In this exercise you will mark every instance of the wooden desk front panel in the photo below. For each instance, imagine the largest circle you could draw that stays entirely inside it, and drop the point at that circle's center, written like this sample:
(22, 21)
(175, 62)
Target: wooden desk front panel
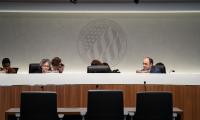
(185, 97)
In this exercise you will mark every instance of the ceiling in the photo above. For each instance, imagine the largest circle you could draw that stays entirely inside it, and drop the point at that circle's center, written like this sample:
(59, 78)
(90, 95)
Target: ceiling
(99, 6)
(99, 0)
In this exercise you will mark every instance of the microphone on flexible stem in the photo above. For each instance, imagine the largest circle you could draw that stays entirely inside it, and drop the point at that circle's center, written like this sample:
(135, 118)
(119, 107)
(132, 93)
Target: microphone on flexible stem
(136, 1)
(97, 86)
(171, 71)
(145, 88)
(74, 1)
(42, 87)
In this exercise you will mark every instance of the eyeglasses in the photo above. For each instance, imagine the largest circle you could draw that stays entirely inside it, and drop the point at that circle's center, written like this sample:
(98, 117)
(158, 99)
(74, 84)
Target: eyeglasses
(45, 66)
(145, 63)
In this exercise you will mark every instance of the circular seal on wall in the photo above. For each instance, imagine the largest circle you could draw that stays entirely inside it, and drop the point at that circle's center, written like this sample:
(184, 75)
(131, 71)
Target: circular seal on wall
(104, 40)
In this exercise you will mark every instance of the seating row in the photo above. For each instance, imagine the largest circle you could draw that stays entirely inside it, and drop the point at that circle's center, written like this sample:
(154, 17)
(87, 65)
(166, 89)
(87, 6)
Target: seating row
(102, 105)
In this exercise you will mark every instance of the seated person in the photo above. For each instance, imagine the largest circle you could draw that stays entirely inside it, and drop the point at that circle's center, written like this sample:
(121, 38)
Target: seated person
(57, 66)
(96, 62)
(107, 65)
(45, 65)
(158, 68)
(104, 63)
(112, 71)
(147, 64)
(98, 67)
(7, 66)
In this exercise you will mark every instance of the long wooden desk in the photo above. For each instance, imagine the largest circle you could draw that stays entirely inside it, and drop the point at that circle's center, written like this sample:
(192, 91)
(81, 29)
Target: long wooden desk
(72, 88)
(81, 111)
(98, 78)
(184, 97)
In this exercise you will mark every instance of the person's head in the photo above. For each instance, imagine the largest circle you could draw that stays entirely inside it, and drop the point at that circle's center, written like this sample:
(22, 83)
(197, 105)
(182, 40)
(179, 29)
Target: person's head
(96, 62)
(6, 62)
(56, 61)
(147, 63)
(161, 67)
(45, 64)
(105, 63)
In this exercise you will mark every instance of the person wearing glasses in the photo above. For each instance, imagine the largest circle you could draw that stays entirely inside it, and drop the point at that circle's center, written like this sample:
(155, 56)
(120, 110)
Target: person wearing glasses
(45, 65)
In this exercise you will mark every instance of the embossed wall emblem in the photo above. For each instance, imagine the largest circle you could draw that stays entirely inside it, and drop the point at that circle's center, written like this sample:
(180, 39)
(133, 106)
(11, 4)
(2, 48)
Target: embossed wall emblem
(102, 39)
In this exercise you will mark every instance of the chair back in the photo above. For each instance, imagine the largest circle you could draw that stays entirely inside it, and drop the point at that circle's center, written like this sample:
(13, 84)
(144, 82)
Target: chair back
(98, 69)
(38, 106)
(105, 105)
(154, 106)
(35, 68)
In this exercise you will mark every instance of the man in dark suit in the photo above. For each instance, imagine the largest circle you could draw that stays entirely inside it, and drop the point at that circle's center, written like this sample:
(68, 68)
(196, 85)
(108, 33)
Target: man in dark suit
(147, 64)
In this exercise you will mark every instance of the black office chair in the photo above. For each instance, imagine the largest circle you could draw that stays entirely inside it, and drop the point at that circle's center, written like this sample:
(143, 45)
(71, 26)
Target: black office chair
(105, 105)
(98, 69)
(154, 106)
(38, 106)
(35, 68)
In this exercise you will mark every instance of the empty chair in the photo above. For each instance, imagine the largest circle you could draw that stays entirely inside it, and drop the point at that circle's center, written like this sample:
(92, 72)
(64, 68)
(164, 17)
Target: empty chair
(154, 106)
(35, 68)
(105, 105)
(38, 106)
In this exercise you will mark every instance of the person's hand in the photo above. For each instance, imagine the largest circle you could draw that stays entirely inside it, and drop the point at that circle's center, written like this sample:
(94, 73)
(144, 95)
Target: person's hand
(142, 71)
(61, 68)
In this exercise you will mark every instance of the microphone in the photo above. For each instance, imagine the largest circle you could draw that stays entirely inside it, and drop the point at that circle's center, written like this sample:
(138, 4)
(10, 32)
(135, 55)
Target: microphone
(145, 88)
(136, 1)
(97, 86)
(42, 87)
(171, 71)
(74, 1)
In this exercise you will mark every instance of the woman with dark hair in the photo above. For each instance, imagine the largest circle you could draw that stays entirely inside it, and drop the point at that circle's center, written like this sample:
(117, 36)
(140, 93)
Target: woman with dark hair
(96, 62)
(7, 66)
(106, 64)
(57, 65)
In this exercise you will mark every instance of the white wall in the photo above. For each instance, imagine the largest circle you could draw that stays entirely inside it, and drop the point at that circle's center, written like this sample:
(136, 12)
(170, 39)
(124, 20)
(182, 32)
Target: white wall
(173, 39)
